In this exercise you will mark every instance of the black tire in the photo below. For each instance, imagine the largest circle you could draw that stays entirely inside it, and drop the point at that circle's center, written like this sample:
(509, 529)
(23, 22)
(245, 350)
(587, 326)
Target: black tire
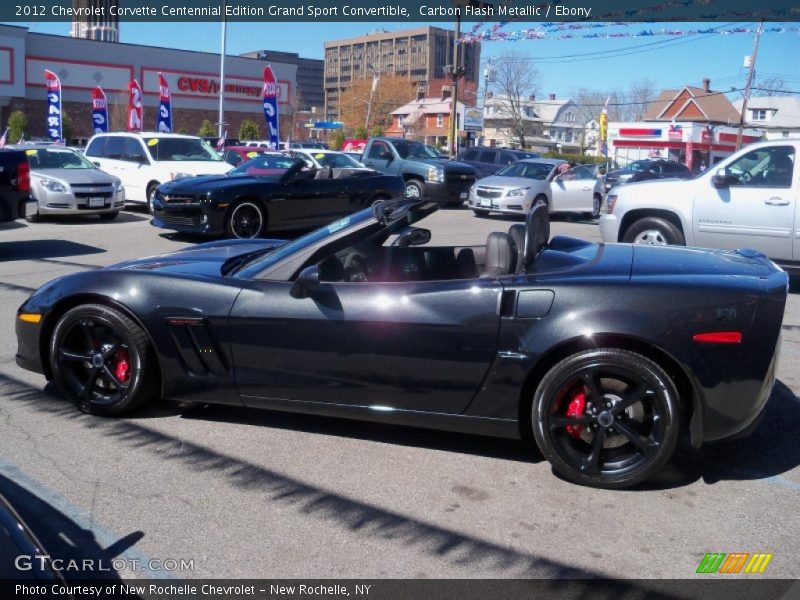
(151, 190)
(415, 189)
(109, 216)
(597, 204)
(654, 231)
(631, 411)
(480, 213)
(540, 199)
(246, 219)
(90, 348)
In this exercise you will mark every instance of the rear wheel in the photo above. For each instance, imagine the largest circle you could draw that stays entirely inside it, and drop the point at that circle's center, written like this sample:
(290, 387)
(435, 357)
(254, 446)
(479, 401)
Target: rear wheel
(654, 231)
(102, 360)
(606, 418)
(597, 202)
(151, 194)
(245, 220)
(415, 189)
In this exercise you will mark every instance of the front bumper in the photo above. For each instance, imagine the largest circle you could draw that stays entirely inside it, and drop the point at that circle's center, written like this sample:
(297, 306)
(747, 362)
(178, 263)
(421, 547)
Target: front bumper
(609, 228)
(28, 354)
(518, 205)
(66, 203)
(447, 192)
(196, 218)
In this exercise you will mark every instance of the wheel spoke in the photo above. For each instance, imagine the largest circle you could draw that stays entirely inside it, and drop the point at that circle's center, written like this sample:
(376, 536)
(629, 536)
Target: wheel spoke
(591, 463)
(560, 422)
(639, 393)
(88, 386)
(591, 382)
(88, 334)
(74, 356)
(114, 348)
(644, 444)
(110, 374)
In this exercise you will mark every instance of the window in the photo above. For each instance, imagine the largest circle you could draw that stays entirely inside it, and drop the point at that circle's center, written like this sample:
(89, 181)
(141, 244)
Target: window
(759, 114)
(232, 158)
(440, 120)
(97, 147)
(506, 158)
(488, 156)
(471, 155)
(133, 151)
(765, 167)
(114, 147)
(379, 151)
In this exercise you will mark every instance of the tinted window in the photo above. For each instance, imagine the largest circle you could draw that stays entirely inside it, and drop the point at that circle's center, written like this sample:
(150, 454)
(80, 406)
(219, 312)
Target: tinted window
(181, 149)
(764, 167)
(527, 170)
(506, 158)
(488, 156)
(471, 155)
(114, 147)
(97, 147)
(265, 164)
(232, 158)
(57, 158)
(378, 149)
(328, 159)
(673, 167)
(133, 151)
(408, 149)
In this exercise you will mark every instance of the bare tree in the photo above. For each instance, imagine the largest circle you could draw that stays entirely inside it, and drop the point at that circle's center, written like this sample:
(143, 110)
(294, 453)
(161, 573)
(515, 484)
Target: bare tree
(772, 86)
(589, 104)
(638, 100)
(515, 81)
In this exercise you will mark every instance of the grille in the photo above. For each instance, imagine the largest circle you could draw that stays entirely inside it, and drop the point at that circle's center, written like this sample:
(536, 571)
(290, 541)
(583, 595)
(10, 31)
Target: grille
(488, 192)
(177, 199)
(177, 220)
(460, 178)
(90, 190)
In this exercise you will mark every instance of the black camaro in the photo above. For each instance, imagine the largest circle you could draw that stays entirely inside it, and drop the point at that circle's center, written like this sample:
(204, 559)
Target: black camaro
(601, 353)
(271, 192)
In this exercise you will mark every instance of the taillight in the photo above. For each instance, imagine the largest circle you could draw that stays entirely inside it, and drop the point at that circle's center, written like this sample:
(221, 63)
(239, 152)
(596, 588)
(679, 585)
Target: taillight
(610, 202)
(719, 337)
(24, 177)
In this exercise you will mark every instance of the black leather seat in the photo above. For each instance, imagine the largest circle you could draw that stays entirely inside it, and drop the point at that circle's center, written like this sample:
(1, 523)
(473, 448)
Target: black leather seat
(537, 232)
(517, 233)
(501, 255)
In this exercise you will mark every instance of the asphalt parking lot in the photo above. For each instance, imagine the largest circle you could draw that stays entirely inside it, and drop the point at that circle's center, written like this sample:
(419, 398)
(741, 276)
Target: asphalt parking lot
(244, 493)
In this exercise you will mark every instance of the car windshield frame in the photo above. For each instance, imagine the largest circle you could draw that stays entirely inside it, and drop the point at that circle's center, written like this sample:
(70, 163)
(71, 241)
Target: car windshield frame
(241, 169)
(514, 169)
(83, 162)
(155, 146)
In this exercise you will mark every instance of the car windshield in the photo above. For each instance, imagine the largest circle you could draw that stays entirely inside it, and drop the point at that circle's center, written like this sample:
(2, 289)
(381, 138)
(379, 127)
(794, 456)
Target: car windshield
(181, 149)
(408, 149)
(334, 160)
(639, 165)
(56, 158)
(264, 164)
(527, 170)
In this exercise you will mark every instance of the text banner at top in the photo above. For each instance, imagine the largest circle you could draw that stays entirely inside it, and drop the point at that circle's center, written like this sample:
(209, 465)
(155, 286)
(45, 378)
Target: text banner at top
(405, 11)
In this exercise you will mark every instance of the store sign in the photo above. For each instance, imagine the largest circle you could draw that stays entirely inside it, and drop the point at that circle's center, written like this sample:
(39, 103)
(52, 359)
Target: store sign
(639, 132)
(199, 85)
(473, 119)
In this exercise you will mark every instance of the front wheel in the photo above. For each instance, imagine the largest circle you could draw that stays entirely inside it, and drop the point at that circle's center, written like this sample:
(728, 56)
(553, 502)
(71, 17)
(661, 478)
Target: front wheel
(415, 189)
(654, 231)
(151, 194)
(606, 418)
(245, 220)
(597, 202)
(102, 360)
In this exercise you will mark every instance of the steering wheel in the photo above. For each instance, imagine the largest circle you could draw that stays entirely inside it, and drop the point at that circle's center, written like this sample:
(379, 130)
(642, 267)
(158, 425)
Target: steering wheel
(354, 268)
(746, 177)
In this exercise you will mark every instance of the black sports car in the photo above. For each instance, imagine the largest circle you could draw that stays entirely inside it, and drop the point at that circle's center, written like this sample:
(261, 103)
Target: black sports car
(601, 353)
(268, 193)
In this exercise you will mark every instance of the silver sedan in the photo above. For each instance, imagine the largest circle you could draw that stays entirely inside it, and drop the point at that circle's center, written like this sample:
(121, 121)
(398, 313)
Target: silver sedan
(63, 182)
(515, 188)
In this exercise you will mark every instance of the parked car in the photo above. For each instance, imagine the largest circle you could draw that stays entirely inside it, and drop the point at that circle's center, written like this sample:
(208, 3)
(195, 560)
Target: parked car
(236, 155)
(525, 183)
(426, 175)
(488, 161)
(15, 186)
(310, 145)
(145, 160)
(565, 341)
(356, 156)
(246, 204)
(324, 159)
(64, 182)
(751, 199)
(645, 170)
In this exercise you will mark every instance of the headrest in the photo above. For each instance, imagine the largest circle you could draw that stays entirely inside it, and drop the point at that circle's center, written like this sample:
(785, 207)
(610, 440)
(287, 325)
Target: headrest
(501, 255)
(517, 233)
(537, 231)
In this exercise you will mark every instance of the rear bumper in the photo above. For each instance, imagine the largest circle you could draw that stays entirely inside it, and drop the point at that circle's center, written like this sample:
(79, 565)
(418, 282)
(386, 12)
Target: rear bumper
(12, 208)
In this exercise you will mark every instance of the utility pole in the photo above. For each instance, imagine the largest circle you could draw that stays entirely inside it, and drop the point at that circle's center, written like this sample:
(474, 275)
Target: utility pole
(457, 71)
(221, 118)
(748, 87)
(375, 79)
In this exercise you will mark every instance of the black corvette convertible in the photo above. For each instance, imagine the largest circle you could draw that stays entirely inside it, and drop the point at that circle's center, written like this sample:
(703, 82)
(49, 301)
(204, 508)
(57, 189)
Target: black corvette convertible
(601, 353)
(271, 192)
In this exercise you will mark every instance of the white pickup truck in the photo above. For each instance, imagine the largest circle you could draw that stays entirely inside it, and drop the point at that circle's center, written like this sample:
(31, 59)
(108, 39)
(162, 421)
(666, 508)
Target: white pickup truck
(749, 200)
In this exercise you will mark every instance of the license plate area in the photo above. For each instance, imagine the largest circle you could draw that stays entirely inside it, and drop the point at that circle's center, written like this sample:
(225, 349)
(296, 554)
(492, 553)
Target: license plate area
(96, 202)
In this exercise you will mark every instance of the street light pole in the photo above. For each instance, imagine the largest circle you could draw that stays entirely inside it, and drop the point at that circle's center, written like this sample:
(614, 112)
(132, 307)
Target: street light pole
(748, 87)
(456, 72)
(375, 79)
(221, 116)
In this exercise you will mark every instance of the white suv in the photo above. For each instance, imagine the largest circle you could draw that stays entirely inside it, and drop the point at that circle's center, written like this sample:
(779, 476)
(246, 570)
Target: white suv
(145, 160)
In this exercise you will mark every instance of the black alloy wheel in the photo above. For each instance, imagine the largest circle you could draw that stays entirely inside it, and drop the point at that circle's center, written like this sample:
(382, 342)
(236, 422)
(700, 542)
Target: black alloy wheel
(245, 220)
(102, 360)
(606, 418)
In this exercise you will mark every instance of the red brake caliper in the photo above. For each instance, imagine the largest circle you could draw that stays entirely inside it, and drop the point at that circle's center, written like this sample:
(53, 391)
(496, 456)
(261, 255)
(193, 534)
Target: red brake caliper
(576, 408)
(123, 367)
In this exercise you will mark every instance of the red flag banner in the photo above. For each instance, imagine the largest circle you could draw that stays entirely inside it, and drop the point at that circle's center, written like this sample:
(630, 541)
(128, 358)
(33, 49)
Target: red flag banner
(134, 106)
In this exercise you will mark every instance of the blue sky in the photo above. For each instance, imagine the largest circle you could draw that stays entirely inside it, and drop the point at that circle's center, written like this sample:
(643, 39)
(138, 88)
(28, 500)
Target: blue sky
(669, 63)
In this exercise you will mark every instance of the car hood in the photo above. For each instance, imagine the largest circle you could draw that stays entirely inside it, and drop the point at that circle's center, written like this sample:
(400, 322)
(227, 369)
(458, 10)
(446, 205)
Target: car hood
(202, 259)
(636, 191)
(451, 166)
(86, 176)
(208, 183)
(511, 182)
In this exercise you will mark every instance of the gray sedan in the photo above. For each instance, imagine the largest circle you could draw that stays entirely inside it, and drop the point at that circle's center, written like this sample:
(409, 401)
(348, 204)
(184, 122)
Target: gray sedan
(520, 185)
(63, 182)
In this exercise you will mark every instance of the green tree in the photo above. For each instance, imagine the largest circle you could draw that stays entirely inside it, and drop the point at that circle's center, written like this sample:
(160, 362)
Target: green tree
(206, 129)
(17, 125)
(249, 130)
(360, 132)
(183, 130)
(336, 140)
(66, 127)
(377, 131)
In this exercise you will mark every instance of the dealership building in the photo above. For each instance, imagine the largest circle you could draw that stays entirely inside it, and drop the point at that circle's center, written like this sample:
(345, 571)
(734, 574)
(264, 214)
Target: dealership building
(83, 64)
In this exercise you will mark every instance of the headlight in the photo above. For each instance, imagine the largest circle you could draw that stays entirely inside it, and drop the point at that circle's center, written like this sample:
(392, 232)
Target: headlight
(436, 174)
(176, 176)
(53, 185)
(610, 202)
(118, 187)
(626, 176)
(517, 192)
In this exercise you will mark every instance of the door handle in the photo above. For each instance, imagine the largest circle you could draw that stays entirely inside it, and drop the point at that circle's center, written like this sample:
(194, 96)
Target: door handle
(776, 201)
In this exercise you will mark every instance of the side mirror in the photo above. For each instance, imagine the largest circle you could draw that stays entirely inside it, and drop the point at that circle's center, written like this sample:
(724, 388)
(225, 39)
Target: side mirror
(413, 237)
(721, 179)
(306, 283)
(96, 164)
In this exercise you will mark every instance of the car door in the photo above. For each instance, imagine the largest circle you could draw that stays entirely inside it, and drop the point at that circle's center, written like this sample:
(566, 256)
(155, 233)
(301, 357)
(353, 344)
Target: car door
(420, 345)
(573, 190)
(487, 163)
(135, 168)
(755, 209)
(378, 157)
(304, 201)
